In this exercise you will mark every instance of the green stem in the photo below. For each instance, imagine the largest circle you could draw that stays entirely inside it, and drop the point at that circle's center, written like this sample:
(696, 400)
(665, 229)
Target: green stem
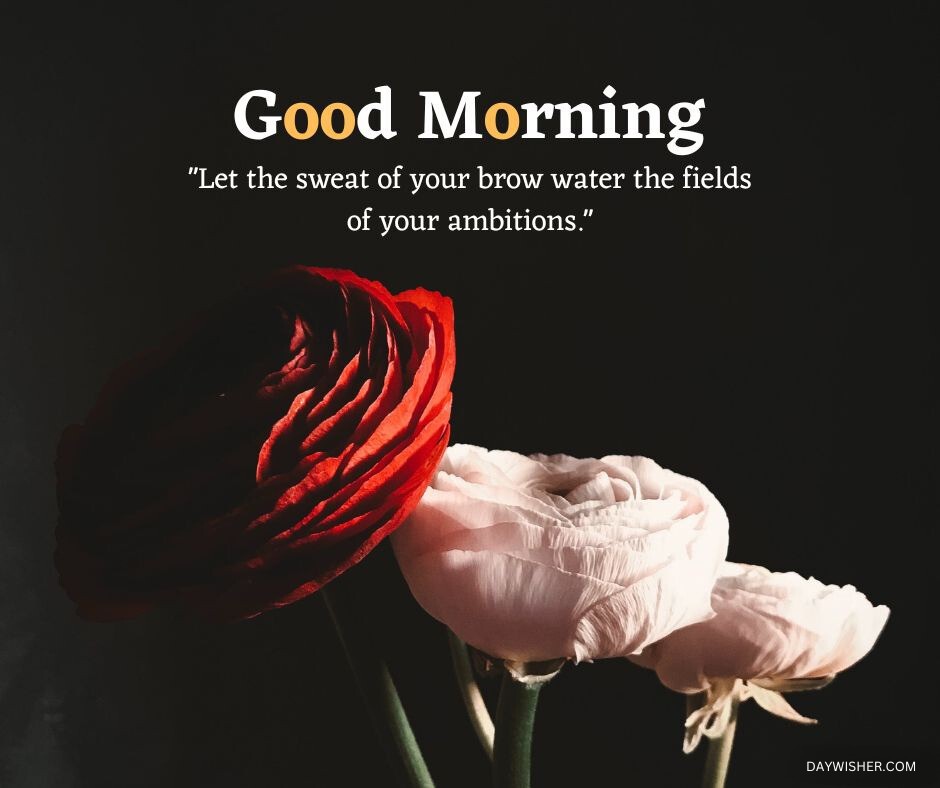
(470, 692)
(719, 753)
(381, 698)
(512, 751)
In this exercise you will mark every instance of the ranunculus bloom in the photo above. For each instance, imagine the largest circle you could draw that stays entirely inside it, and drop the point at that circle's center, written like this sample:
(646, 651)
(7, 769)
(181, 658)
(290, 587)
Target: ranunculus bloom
(539, 558)
(260, 452)
(771, 632)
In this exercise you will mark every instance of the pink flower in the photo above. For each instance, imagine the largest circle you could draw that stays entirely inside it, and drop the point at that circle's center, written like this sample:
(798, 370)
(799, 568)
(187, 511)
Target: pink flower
(771, 632)
(540, 558)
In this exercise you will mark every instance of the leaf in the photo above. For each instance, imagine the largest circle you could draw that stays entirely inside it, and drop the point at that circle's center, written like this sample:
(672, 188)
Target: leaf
(711, 718)
(794, 685)
(775, 703)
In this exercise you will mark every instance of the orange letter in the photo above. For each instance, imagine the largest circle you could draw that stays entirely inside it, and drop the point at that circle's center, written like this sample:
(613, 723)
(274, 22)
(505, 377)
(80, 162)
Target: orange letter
(290, 121)
(349, 120)
(512, 125)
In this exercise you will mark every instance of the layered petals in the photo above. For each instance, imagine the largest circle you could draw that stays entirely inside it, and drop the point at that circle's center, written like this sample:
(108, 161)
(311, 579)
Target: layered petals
(769, 626)
(546, 557)
(260, 452)
(772, 633)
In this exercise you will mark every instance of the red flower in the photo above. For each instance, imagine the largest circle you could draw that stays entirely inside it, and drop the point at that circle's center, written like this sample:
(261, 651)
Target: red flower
(259, 453)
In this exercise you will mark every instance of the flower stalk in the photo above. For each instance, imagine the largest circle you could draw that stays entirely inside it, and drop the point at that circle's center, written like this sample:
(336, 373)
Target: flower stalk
(719, 752)
(470, 692)
(515, 718)
(380, 695)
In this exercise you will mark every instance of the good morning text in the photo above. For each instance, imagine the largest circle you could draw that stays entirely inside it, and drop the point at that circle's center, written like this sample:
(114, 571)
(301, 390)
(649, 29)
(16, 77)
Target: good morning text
(501, 120)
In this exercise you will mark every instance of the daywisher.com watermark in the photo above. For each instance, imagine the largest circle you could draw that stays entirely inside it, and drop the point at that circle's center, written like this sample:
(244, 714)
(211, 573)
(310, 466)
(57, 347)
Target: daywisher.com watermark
(856, 767)
(861, 766)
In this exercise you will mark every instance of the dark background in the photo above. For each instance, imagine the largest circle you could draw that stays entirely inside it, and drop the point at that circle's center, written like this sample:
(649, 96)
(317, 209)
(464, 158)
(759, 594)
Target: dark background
(771, 342)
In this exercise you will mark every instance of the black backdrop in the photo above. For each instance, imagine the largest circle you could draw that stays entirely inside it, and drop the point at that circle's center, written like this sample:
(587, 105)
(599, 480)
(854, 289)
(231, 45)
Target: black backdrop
(771, 342)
